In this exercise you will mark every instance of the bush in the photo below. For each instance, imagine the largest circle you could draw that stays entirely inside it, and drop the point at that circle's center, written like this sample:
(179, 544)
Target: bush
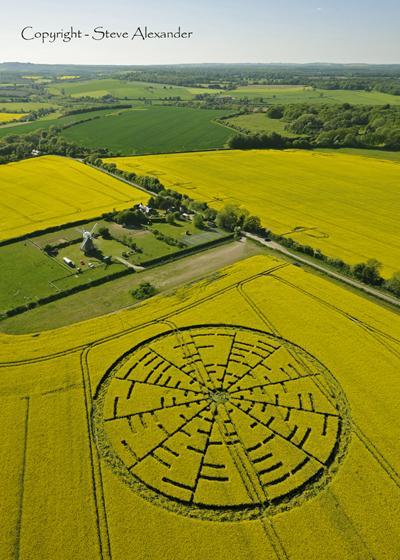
(275, 112)
(198, 221)
(48, 249)
(104, 232)
(393, 284)
(144, 291)
(368, 272)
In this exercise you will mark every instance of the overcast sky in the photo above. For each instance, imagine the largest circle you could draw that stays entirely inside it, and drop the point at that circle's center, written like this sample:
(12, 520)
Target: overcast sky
(223, 31)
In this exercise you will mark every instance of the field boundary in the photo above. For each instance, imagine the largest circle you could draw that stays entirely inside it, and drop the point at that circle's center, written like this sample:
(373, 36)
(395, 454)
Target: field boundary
(345, 279)
(151, 263)
(50, 229)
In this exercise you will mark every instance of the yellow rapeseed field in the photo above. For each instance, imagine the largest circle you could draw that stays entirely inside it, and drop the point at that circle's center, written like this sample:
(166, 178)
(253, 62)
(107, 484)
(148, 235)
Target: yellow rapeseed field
(250, 415)
(347, 206)
(7, 117)
(48, 191)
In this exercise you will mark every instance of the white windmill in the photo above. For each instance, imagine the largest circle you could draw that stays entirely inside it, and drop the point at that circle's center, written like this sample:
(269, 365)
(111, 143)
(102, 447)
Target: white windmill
(87, 245)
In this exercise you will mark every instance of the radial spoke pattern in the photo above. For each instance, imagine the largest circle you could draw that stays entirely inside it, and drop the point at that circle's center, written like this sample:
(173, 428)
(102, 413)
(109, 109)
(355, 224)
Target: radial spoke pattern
(220, 418)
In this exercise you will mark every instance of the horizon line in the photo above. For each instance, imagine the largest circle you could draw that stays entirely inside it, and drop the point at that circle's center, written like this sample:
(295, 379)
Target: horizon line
(310, 63)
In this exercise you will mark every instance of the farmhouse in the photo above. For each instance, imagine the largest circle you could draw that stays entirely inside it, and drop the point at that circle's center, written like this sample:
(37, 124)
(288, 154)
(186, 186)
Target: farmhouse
(143, 208)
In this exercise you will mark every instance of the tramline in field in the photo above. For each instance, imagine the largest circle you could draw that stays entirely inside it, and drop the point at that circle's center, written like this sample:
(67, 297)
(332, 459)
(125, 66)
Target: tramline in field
(240, 416)
(51, 191)
(344, 205)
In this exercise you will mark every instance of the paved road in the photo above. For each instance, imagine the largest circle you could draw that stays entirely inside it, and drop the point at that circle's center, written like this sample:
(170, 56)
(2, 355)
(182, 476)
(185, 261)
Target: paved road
(368, 289)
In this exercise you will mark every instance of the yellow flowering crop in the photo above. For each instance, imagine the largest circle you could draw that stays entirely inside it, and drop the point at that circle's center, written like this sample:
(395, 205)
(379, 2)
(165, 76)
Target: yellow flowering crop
(50, 190)
(347, 206)
(250, 415)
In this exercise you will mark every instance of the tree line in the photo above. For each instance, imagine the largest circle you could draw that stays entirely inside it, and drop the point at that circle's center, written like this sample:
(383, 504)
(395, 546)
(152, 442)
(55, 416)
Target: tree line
(329, 126)
(235, 219)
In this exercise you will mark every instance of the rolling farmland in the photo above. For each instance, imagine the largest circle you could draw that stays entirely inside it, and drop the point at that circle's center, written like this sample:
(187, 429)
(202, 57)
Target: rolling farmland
(169, 388)
(297, 94)
(346, 206)
(8, 117)
(153, 129)
(123, 89)
(243, 417)
(260, 123)
(24, 106)
(60, 121)
(51, 190)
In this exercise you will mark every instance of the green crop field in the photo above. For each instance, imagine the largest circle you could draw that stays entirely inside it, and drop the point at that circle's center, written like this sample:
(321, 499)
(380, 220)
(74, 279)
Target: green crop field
(153, 129)
(47, 122)
(284, 95)
(259, 122)
(24, 106)
(346, 206)
(122, 89)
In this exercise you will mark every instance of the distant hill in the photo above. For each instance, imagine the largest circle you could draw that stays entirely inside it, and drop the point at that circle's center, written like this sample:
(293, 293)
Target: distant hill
(304, 69)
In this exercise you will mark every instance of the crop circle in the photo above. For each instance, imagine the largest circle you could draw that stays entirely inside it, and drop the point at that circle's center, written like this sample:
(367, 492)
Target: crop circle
(221, 422)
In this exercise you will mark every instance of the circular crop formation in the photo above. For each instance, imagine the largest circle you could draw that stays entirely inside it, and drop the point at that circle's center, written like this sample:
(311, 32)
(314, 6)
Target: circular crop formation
(221, 422)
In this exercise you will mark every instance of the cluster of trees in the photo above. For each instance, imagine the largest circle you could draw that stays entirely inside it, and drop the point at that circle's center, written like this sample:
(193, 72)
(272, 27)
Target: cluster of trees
(368, 272)
(267, 140)
(166, 200)
(80, 110)
(131, 218)
(393, 284)
(383, 84)
(38, 113)
(149, 183)
(344, 125)
(19, 146)
(235, 218)
(328, 126)
(230, 76)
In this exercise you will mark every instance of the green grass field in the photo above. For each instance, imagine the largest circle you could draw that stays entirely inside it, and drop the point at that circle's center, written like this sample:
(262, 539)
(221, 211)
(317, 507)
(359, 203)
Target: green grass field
(47, 122)
(153, 129)
(285, 95)
(123, 89)
(188, 233)
(259, 122)
(29, 274)
(26, 273)
(151, 247)
(78, 307)
(25, 106)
